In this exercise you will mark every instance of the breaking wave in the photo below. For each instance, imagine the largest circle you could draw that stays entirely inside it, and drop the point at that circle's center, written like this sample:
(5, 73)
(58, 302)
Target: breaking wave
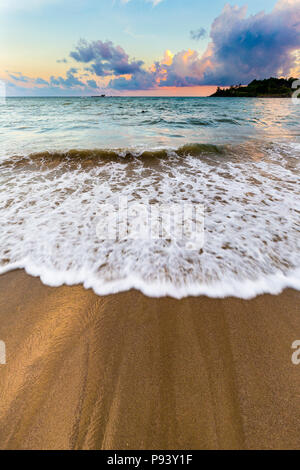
(50, 207)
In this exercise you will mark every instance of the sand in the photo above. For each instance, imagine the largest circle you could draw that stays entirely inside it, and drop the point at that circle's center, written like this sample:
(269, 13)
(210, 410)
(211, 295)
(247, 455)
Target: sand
(129, 372)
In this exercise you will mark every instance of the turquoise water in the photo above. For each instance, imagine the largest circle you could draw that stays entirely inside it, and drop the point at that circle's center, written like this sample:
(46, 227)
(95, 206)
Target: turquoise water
(63, 159)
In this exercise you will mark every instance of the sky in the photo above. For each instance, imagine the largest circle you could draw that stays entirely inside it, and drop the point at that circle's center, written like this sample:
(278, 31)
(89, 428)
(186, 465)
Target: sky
(144, 47)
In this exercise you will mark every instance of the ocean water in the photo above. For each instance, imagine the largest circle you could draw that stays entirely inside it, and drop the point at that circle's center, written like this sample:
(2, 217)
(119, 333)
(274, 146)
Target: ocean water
(61, 159)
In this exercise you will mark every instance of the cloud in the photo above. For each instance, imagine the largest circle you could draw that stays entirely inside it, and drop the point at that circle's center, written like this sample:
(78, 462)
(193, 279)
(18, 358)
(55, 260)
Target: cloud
(70, 81)
(241, 48)
(282, 4)
(105, 58)
(41, 81)
(17, 76)
(92, 84)
(71, 84)
(198, 34)
(142, 80)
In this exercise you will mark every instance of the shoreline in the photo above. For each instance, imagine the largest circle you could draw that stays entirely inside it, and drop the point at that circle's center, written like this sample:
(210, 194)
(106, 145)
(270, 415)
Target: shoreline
(125, 371)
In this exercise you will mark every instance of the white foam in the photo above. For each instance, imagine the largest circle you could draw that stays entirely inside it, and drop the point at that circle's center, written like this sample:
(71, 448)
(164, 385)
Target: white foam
(252, 207)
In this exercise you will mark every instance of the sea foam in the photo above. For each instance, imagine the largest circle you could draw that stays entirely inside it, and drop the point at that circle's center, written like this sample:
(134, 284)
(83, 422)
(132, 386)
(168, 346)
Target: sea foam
(50, 206)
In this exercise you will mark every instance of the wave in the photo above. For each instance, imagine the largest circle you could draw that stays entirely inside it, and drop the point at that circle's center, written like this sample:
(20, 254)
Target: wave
(113, 155)
(53, 205)
(243, 289)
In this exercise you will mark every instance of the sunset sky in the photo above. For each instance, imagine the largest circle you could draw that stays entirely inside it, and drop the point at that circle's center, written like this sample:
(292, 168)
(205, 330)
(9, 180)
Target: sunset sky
(144, 47)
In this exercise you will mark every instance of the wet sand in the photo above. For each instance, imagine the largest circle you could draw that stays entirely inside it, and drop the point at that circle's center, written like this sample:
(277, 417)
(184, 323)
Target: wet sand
(129, 372)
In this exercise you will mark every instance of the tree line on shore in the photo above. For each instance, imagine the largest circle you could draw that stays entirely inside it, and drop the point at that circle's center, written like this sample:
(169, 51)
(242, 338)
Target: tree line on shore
(269, 87)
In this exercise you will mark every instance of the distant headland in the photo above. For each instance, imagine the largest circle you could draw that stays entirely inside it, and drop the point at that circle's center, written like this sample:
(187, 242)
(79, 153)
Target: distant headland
(267, 88)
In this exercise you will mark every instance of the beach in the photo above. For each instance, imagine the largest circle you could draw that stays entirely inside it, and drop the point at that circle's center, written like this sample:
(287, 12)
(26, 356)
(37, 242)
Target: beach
(149, 273)
(125, 371)
(150, 228)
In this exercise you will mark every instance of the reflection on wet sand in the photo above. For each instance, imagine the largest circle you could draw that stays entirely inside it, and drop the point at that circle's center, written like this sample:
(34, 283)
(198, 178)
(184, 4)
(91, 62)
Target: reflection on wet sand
(129, 372)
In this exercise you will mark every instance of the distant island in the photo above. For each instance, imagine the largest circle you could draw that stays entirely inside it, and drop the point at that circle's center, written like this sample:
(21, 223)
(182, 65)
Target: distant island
(268, 88)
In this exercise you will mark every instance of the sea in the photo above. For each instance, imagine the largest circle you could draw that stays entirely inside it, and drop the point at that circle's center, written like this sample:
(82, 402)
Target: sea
(65, 164)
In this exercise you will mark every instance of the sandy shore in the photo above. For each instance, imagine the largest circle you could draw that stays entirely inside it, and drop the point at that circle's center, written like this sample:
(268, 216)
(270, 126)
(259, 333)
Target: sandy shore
(129, 372)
